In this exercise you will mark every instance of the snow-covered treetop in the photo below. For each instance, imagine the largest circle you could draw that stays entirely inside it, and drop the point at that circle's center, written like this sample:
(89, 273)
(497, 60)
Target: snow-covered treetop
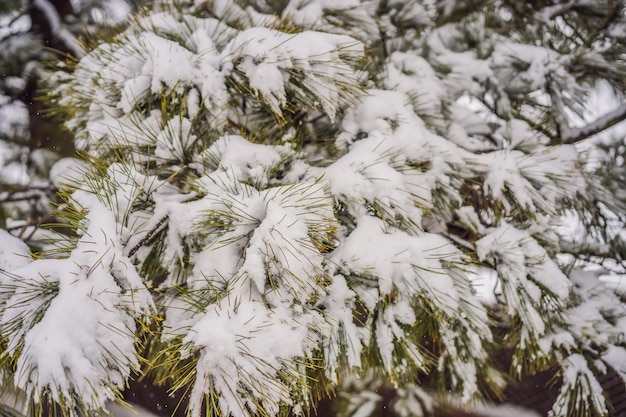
(277, 196)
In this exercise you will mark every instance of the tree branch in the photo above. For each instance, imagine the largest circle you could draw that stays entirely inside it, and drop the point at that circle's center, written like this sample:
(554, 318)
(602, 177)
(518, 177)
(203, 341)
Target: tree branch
(35, 223)
(148, 236)
(573, 135)
(30, 193)
(600, 250)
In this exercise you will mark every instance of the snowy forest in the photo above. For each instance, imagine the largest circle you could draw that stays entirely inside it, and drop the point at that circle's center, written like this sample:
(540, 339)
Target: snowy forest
(333, 208)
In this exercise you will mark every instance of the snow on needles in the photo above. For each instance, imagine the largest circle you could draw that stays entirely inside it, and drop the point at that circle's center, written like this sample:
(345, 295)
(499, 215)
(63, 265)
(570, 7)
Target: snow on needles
(317, 67)
(246, 347)
(266, 287)
(70, 323)
(268, 58)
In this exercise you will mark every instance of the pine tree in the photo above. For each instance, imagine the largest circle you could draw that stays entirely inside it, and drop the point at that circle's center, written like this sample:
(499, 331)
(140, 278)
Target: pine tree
(276, 200)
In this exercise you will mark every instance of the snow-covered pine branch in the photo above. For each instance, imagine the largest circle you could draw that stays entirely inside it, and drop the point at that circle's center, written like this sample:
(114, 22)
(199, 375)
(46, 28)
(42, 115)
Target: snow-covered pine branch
(68, 324)
(289, 202)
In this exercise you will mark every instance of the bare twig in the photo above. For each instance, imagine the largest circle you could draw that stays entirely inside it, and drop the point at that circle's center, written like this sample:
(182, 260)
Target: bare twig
(461, 242)
(148, 236)
(29, 193)
(20, 197)
(36, 223)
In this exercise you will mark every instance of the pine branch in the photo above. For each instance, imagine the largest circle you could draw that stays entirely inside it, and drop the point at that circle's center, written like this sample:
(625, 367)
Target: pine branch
(574, 135)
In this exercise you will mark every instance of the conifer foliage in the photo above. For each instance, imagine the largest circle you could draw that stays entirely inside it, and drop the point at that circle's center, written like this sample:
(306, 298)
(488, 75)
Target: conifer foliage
(275, 198)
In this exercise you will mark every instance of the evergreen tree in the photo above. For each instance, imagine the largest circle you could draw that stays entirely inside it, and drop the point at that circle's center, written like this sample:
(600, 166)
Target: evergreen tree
(279, 199)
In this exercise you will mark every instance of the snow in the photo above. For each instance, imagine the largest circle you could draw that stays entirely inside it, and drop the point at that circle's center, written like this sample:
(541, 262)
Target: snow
(609, 119)
(246, 161)
(393, 163)
(526, 272)
(310, 13)
(521, 136)
(411, 74)
(503, 174)
(311, 64)
(13, 253)
(15, 173)
(241, 337)
(13, 118)
(537, 181)
(413, 399)
(68, 173)
(400, 262)
(367, 404)
(108, 13)
(577, 375)
(169, 63)
(538, 62)
(242, 349)
(13, 124)
(486, 284)
(268, 57)
(615, 356)
(589, 320)
(175, 141)
(169, 67)
(505, 409)
(466, 70)
(408, 268)
(344, 336)
(91, 298)
(357, 16)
